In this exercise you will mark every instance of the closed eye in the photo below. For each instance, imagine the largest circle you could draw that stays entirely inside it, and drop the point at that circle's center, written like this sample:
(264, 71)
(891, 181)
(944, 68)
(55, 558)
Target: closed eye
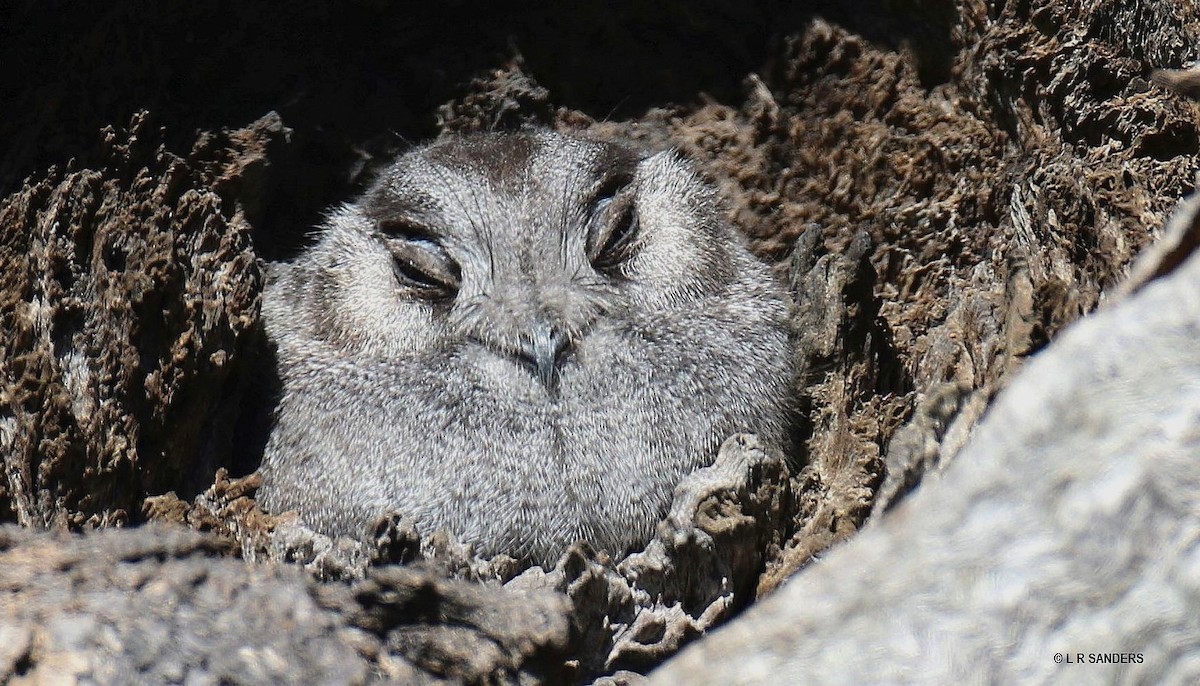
(613, 229)
(422, 266)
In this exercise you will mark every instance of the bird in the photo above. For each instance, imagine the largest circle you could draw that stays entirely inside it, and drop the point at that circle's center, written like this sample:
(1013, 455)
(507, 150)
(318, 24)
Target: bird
(526, 339)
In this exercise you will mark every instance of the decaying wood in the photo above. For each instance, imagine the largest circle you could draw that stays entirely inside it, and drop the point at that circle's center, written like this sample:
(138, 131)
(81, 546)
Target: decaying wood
(1059, 547)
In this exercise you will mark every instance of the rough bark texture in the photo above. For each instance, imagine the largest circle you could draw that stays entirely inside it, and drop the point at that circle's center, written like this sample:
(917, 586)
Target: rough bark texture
(129, 294)
(1067, 529)
(946, 186)
(155, 605)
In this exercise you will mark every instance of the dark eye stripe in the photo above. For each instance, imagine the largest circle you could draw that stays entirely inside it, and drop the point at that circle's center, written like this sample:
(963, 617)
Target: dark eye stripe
(406, 229)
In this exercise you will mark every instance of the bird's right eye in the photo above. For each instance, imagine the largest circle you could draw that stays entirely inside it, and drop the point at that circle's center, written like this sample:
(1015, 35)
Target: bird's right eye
(421, 264)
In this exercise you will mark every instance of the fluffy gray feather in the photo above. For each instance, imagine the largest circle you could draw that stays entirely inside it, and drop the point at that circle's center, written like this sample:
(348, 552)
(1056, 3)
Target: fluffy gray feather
(527, 339)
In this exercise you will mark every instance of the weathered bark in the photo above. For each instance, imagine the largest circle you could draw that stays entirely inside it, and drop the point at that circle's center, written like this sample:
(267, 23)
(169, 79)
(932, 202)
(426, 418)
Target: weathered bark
(157, 605)
(1066, 529)
(130, 293)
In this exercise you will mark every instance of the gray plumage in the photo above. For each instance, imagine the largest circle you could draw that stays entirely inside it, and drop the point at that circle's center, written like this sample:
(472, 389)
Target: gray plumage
(527, 339)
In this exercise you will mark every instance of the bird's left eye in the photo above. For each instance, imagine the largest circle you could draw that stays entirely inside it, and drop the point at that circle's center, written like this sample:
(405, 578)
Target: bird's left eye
(613, 233)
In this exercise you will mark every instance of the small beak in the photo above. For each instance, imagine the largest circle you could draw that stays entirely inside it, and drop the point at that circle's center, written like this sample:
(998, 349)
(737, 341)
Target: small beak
(545, 350)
